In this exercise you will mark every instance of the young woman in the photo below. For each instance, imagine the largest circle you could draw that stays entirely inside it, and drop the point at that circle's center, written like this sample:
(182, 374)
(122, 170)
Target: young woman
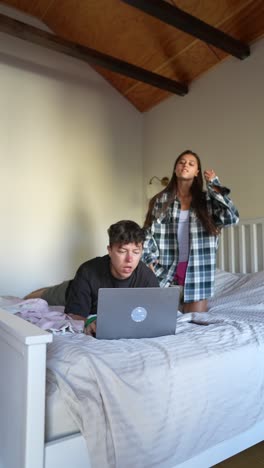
(183, 224)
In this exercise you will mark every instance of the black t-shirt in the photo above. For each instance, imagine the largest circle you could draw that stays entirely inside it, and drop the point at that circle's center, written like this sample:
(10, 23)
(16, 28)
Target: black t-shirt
(82, 296)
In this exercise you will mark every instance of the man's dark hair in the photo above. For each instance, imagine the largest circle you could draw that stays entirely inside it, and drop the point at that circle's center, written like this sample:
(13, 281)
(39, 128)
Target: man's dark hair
(125, 232)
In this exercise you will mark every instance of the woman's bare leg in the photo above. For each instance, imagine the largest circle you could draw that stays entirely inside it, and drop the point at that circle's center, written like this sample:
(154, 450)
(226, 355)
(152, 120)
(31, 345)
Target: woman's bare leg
(198, 306)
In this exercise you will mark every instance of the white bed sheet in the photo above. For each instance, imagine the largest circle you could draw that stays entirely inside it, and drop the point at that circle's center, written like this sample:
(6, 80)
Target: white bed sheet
(158, 402)
(58, 421)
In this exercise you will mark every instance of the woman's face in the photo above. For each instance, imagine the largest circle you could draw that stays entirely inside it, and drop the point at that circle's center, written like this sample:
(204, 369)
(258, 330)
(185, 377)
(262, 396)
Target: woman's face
(187, 167)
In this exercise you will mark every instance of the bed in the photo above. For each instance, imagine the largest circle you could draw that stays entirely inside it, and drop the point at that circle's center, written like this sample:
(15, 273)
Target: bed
(187, 401)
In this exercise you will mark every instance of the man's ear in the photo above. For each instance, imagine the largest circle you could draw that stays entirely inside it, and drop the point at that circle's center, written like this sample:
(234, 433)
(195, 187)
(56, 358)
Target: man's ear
(109, 250)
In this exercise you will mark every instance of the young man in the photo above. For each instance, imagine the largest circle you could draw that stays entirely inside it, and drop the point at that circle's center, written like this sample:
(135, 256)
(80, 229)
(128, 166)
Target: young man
(121, 268)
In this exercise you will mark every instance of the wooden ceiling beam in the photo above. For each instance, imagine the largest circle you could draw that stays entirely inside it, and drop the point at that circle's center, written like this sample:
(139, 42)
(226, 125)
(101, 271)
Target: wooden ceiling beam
(173, 16)
(50, 41)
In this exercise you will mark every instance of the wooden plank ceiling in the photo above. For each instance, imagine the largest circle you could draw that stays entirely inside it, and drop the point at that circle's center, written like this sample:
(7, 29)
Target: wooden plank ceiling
(117, 29)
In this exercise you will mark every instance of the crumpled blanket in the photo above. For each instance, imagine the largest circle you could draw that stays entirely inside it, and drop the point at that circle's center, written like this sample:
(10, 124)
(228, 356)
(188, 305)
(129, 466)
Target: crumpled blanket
(37, 311)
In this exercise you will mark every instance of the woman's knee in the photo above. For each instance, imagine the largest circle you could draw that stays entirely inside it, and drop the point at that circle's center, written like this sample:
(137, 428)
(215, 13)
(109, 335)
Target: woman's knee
(196, 306)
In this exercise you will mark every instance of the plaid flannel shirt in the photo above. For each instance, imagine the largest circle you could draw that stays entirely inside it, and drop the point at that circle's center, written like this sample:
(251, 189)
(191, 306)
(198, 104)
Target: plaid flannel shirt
(161, 245)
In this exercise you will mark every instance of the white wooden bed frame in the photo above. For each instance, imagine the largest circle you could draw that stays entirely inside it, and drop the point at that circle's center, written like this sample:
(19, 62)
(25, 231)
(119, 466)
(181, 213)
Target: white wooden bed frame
(241, 247)
(23, 375)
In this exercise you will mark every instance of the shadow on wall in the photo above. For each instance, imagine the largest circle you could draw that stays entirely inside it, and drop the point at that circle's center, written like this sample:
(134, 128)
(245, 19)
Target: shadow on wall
(54, 72)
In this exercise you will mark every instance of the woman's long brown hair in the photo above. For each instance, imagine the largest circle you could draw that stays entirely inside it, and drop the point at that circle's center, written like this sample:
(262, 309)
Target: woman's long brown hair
(198, 198)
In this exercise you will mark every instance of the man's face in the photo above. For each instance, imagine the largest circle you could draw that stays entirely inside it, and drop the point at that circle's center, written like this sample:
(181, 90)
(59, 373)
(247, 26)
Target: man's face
(124, 259)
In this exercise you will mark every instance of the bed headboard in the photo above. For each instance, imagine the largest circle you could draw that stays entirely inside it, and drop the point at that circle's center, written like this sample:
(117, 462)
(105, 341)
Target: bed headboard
(241, 247)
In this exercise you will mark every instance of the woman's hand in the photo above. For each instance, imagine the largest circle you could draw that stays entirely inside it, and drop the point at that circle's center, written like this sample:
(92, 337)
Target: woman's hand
(151, 266)
(209, 174)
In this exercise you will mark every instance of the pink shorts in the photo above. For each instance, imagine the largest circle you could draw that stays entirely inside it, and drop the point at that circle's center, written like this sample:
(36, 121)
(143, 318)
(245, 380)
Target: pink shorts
(180, 273)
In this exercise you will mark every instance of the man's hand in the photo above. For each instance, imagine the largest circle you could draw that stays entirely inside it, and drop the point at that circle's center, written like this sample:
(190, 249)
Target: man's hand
(91, 329)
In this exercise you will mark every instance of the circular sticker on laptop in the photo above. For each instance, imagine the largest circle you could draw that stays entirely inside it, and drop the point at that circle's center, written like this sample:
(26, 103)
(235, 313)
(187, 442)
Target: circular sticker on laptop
(139, 314)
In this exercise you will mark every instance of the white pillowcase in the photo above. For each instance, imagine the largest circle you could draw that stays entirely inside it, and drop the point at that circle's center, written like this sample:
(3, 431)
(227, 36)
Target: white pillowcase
(225, 280)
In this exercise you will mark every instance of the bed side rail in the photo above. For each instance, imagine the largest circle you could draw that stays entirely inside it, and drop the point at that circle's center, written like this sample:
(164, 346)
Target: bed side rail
(22, 392)
(241, 247)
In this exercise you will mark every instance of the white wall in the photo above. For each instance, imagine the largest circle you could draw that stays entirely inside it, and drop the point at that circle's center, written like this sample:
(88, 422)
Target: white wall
(222, 119)
(71, 153)
(71, 164)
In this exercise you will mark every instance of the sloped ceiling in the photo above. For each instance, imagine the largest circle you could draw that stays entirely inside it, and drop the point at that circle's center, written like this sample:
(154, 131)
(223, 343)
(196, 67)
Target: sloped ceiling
(117, 29)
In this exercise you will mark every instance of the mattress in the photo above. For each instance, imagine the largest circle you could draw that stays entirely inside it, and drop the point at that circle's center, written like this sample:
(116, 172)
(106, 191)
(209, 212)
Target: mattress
(155, 403)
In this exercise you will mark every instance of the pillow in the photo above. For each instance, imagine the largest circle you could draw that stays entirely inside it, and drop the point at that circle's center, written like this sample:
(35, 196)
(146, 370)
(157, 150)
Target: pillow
(225, 279)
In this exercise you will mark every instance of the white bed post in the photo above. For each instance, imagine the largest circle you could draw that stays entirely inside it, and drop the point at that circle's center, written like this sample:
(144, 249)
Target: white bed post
(254, 248)
(22, 392)
(242, 249)
(221, 253)
(231, 247)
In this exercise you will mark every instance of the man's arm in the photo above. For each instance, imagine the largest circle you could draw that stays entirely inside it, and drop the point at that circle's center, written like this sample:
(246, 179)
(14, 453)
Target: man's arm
(89, 328)
(75, 316)
(79, 300)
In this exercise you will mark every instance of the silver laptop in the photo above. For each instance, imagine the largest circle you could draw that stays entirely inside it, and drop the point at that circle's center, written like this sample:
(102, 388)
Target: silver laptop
(136, 312)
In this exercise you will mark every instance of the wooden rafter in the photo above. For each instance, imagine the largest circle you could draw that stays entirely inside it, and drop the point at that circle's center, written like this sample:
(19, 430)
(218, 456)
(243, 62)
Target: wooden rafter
(45, 39)
(173, 16)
